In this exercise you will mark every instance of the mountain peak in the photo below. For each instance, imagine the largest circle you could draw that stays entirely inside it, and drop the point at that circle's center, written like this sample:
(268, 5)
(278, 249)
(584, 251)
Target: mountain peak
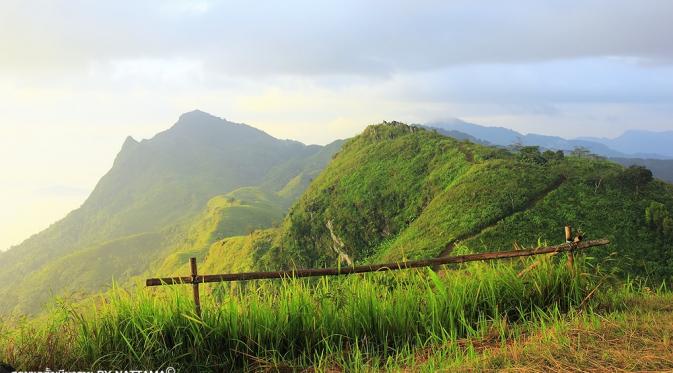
(198, 123)
(130, 141)
(196, 116)
(130, 144)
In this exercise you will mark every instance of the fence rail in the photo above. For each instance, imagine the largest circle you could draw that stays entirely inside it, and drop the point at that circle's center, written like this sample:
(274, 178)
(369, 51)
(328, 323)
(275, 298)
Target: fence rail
(195, 279)
(297, 273)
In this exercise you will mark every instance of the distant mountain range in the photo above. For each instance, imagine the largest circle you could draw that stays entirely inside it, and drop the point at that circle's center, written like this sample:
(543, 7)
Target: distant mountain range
(635, 147)
(644, 144)
(632, 144)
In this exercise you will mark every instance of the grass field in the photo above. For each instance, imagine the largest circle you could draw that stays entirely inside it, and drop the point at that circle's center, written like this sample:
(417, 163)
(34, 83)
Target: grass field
(478, 315)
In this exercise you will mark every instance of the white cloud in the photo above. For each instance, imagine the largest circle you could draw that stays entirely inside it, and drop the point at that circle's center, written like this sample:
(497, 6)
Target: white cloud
(345, 37)
(77, 77)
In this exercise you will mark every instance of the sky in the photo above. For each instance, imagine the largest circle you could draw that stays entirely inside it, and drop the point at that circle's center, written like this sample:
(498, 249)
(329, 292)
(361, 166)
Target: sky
(77, 77)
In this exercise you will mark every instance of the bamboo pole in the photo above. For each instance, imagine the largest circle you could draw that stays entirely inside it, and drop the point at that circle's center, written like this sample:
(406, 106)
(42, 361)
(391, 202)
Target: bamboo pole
(298, 273)
(569, 239)
(195, 286)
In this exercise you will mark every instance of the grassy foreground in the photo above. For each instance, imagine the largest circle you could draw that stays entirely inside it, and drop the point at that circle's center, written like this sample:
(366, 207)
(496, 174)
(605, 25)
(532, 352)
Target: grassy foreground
(636, 338)
(410, 320)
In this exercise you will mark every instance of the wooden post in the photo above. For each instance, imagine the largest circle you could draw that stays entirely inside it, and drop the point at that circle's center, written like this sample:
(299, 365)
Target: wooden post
(569, 239)
(195, 286)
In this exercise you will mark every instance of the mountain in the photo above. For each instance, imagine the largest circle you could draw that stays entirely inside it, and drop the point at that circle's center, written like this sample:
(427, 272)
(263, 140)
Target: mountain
(458, 135)
(399, 191)
(608, 148)
(505, 137)
(492, 135)
(239, 199)
(643, 144)
(204, 169)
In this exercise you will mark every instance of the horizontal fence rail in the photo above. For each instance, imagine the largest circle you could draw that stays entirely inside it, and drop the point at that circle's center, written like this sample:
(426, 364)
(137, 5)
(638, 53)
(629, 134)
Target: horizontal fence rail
(298, 273)
(195, 279)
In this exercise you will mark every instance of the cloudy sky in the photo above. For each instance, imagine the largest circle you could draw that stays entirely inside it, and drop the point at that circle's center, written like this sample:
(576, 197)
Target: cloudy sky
(77, 77)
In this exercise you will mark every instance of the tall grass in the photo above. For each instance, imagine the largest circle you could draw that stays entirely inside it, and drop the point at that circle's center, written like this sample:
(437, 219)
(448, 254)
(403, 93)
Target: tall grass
(299, 322)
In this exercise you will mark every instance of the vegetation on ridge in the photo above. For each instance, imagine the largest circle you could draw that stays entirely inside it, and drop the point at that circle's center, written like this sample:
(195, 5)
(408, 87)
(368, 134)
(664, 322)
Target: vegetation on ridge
(399, 191)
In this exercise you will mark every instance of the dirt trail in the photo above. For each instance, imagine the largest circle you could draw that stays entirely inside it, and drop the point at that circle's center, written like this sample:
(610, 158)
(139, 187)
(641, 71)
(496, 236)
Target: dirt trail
(531, 203)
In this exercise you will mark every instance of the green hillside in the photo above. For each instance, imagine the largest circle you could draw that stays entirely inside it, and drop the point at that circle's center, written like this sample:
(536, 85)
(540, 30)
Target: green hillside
(399, 191)
(394, 192)
(201, 180)
(240, 212)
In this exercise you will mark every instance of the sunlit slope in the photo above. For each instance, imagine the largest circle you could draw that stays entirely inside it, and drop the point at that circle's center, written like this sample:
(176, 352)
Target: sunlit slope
(397, 191)
(89, 270)
(79, 274)
(144, 209)
(241, 212)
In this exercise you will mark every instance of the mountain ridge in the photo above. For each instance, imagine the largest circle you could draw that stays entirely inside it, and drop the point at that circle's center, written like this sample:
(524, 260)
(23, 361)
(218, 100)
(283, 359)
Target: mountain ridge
(155, 188)
(634, 141)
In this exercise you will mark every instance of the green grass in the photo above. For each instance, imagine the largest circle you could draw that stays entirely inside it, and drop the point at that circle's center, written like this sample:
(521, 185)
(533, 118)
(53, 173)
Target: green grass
(467, 206)
(351, 322)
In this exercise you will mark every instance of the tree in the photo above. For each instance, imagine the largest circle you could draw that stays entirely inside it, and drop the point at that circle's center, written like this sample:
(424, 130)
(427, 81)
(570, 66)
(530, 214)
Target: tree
(667, 227)
(635, 177)
(551, 155)
(659, 218)
(597, 181)
(581, 152)
(497, 153)
(517, 145)
(531, 154)
(655, 214)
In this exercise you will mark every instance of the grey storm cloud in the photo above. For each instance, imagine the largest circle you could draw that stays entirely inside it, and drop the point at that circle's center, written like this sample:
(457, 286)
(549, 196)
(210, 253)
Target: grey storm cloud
(344, 37)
